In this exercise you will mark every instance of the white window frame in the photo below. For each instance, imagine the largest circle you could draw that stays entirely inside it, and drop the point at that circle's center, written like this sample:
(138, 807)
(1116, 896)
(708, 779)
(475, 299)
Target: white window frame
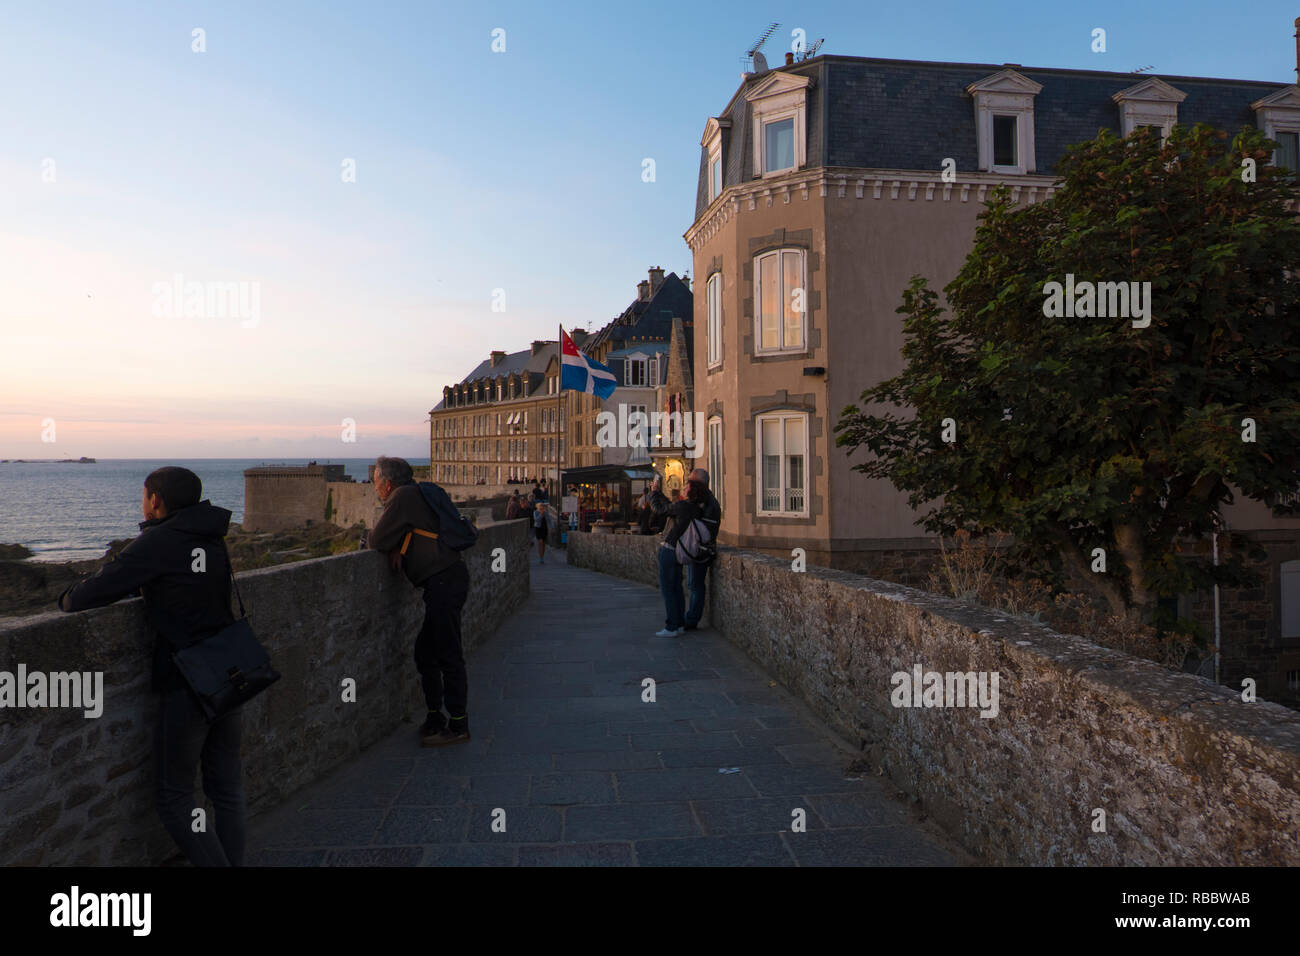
(628, 364)
(713, 297)
(782, 417)
(1005, 93)
(712, 143)
(784, 347)
(1153, 102)
(715, 438)
(780, 96)
(1278, 113)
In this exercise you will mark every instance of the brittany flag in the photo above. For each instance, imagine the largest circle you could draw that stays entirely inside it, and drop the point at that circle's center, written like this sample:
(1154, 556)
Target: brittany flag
(581, 374)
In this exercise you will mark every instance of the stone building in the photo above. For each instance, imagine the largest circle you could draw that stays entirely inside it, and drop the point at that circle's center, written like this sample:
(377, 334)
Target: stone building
(634, 346)
(821, 191)
(280, 497)
(501, 422)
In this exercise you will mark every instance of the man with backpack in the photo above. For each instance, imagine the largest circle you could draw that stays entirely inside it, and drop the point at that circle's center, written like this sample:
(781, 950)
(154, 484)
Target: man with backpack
(412, 532)
(690, 539)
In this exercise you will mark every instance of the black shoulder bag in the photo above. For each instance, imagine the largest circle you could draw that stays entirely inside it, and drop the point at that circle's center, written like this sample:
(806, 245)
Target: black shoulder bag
(228, 668)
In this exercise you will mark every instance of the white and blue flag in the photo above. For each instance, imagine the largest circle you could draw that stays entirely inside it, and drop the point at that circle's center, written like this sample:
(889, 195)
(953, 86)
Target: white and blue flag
(582, 374)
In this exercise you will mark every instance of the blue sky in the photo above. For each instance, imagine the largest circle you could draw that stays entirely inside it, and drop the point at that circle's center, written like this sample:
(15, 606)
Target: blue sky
(475, 171)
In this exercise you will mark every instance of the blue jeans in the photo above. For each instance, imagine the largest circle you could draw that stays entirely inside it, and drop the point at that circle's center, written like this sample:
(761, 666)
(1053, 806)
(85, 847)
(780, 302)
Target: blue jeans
(696, 578)
(670, 585)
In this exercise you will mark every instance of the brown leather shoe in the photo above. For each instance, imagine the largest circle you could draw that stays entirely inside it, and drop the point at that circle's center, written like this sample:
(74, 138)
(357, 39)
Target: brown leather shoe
(444, 737)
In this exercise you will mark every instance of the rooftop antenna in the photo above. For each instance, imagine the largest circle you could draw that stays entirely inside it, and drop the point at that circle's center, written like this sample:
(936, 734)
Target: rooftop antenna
(812, 50)
(1143, 69)
(756, 59)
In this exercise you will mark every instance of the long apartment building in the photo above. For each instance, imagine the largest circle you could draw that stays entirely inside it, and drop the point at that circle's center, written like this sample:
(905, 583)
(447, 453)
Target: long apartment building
(502, 421)
(821, 192)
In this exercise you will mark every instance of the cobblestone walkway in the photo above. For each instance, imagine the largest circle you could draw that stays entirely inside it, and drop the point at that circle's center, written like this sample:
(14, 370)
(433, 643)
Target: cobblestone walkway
(589, 774)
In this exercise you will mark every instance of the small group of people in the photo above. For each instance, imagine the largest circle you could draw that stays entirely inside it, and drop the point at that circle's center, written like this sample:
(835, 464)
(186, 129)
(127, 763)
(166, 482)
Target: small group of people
(535, 507)
(696, 502)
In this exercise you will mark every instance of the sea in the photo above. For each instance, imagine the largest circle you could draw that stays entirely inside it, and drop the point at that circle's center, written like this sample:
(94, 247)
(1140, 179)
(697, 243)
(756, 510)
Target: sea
(71, 511)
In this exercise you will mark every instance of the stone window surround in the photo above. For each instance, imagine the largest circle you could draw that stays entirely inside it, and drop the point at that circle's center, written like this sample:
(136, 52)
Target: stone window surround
(814, 466)
(715, 480)
(1278, 113)
(1153, 102)
(1005, 93)
(713, 320)
(779, 96)
(711, 142)
(782, 239)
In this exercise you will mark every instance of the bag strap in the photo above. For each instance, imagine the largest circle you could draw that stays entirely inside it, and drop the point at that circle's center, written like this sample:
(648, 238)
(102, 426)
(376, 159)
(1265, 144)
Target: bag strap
(406, 542)
(231, 568)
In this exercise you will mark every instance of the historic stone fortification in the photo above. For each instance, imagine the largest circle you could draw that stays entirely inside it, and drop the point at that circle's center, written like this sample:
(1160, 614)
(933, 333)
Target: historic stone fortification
(286, 496)
(1185, 772)
(79, 790)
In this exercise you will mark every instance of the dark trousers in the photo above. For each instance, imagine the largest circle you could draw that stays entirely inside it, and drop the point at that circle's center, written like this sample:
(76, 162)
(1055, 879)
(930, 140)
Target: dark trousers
(439, 656)
(183, 739)
(678, 614)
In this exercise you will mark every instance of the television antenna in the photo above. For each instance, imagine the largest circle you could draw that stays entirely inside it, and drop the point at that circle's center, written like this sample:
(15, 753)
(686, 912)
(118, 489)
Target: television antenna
(754, 61)
(1143, 69)
(812, 50)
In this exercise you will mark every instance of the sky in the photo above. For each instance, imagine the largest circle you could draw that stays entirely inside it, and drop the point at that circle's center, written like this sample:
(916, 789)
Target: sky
(358, 201)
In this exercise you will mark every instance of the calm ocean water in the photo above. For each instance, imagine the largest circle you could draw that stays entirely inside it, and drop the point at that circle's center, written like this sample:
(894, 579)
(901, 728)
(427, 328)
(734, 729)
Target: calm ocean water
(70, 512)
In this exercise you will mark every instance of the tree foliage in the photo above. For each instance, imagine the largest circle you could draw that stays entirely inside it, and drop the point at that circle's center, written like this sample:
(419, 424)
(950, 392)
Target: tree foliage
(1076, 433)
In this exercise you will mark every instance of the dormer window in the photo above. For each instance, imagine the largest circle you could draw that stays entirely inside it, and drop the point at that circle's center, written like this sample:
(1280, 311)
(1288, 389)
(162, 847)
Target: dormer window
(778, 104)
(1278, 116)
(1152, 103)
(1004, 122)
(712, 143)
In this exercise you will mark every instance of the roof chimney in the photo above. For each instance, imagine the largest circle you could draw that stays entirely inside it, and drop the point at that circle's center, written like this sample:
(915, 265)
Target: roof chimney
(578, 335)
(497, 358)
(656, 279)
(686, 281)
(643, 290)
(538, 345)
(789, 58)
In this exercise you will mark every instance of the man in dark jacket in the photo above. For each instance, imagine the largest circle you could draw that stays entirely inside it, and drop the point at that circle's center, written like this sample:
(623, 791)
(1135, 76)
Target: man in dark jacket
(180, 565)
(696, 502)
(439, 655)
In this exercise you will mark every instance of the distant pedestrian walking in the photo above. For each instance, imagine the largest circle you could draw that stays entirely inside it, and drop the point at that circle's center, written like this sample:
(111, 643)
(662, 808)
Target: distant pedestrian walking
(182, 606)
(408, 533)
(541, 527)
(513, 508)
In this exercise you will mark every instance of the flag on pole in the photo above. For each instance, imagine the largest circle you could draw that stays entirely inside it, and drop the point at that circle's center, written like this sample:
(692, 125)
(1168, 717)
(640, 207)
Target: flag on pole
(582, 374)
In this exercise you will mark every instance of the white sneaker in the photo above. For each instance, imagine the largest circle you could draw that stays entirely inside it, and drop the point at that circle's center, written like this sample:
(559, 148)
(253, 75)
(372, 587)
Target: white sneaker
(669, 633)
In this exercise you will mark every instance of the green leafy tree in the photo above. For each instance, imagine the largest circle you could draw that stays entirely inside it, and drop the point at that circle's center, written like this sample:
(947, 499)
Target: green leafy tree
(1077, 433)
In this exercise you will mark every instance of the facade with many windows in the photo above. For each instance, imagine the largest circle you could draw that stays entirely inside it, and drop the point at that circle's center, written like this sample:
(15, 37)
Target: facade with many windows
(503, 422)
(824, 186)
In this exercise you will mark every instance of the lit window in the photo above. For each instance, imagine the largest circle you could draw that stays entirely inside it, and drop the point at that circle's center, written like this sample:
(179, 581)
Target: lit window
(782, 451)
(778, 145)
(780, 301)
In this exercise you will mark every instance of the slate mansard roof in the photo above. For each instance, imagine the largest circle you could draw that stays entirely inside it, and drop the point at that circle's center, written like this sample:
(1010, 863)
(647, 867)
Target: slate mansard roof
(514, 363)
(906, 114)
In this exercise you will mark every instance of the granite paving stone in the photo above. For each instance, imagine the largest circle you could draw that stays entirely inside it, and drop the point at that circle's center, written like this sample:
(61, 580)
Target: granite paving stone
(589, 774)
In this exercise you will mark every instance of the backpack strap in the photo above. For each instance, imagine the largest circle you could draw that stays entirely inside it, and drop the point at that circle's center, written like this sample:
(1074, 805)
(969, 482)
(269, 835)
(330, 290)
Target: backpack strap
(406, 542)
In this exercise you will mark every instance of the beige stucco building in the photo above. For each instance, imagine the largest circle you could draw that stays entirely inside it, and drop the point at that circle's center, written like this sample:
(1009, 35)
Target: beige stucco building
(824, 186)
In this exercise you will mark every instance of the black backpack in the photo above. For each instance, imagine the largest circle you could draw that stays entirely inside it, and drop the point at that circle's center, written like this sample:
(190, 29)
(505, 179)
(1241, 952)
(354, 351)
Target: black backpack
(455, 531)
